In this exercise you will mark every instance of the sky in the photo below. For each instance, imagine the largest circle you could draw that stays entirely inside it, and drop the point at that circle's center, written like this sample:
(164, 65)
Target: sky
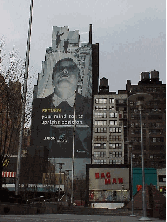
(131, 34)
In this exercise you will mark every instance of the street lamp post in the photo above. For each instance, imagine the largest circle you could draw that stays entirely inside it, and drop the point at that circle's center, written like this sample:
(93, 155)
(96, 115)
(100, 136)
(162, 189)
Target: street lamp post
(141, 99)
(129, 143)
(60, 167)
(72, 188)
(23, 103)
(132, 215)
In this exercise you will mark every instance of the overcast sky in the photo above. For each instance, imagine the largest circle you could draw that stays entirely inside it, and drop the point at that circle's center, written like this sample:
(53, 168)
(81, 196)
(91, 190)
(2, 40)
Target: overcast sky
(131, 33)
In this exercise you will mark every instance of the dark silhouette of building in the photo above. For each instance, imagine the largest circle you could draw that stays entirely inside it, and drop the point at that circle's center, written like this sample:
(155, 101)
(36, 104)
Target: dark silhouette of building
(153, 118)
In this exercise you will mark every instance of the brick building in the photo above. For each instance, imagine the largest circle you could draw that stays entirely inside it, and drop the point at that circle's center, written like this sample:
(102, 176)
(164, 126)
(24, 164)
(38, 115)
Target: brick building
(153, 118)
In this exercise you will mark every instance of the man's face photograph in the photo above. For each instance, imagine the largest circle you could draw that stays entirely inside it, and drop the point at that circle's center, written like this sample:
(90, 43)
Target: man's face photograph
(65, 74)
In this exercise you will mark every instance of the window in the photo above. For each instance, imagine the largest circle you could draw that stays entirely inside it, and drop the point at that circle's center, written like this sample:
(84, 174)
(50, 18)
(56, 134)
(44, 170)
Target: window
(118, 161)
(99, 154)
(157, 139)
(121, 101)
(115, 130)
(113, 115)
(118, 145)
(111, 100)
(100, 161)
(102, 154)
(101, 100)
(115, 138)
(96, 161)
(111, 108)
(100, 130)
(120, 154)
(113, 122)
(115, 161)
(100, 107)
(96, 154)
(100, 115)
(131, 103)
(100, 138)
(111, 145)
(101, 122)
(99, 145)
(162, 178)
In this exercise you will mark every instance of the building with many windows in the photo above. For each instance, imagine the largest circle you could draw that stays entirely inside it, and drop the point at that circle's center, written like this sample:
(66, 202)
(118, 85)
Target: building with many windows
(109, 125)
(153, 120)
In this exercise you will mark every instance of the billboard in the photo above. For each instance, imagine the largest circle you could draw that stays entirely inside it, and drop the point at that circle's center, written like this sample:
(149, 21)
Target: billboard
(108, 178)
(108, 183)
(65, 80)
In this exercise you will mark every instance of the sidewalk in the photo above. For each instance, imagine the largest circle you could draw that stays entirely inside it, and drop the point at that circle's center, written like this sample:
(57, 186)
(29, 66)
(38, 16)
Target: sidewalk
(71, 218)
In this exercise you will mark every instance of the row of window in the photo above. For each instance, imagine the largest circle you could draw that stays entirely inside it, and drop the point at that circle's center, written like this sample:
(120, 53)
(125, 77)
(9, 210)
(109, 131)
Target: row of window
(100, 138)
(99, 154)
(115, 161)
(137, 117)
(154, 124)
(104, 107)
(115, 138)
(104, 130)
(99, 161)
(155, 131)
(157, 139)
(111, 154)
(104, 100)
(115, 145)
(104, 122)
(101, 130)
(111, 145)
(115, 129)
(104, 115)
(110, 161)
(152, 139)
(115, 154)
(100, 146)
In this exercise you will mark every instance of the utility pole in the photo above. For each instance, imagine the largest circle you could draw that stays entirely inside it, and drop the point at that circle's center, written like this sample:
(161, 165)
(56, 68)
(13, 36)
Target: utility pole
(23, 102)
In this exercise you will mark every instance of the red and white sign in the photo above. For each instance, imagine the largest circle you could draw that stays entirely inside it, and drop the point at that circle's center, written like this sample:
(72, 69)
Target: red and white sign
(8, 174)
(108, 178)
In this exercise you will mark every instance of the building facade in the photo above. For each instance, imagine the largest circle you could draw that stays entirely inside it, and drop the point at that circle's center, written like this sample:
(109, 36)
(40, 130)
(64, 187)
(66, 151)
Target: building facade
(153, 121)
(161, 180)
(109, 126)
(68, 79)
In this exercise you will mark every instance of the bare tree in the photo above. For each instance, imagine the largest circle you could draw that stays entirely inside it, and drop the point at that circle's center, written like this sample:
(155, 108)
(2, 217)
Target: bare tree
(12, 70)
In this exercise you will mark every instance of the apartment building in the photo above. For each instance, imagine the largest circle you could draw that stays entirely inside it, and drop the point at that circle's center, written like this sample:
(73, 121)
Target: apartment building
(109, 125)
(153, 121)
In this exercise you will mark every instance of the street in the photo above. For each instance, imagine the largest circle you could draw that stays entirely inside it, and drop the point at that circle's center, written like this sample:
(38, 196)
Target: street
(70, 218)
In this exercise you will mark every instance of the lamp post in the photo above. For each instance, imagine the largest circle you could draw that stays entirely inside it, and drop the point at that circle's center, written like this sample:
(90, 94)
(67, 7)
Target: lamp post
(129, 143)
(130, 146)
(23, 103)
(141, 99)
(72, 188)
(60, 167)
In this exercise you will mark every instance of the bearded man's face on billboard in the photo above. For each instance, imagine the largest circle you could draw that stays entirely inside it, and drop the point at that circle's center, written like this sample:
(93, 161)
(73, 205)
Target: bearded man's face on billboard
(65, 77)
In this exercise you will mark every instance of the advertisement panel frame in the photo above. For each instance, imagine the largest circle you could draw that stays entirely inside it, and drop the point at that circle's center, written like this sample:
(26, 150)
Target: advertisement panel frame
(104, 166)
